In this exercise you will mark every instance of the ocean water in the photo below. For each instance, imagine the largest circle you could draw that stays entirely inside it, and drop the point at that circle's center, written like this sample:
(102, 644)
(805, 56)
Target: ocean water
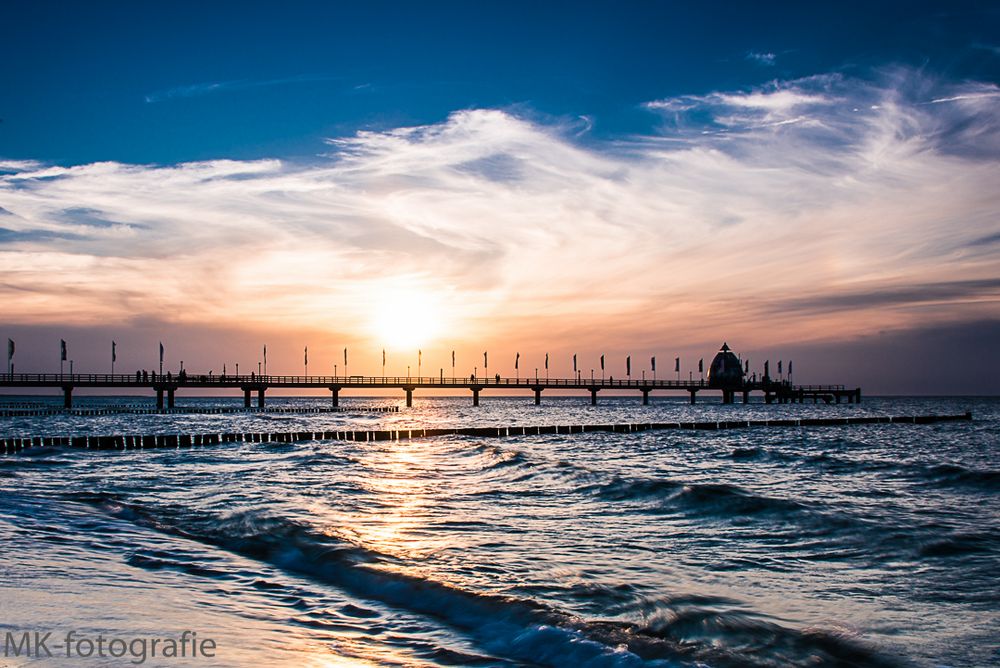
(874, 545)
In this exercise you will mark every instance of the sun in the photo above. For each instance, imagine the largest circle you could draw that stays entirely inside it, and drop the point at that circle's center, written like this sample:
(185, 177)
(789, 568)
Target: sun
(407, 319)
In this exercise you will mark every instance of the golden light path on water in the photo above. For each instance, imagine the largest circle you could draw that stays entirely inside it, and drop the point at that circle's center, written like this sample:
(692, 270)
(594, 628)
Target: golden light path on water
(402, 496)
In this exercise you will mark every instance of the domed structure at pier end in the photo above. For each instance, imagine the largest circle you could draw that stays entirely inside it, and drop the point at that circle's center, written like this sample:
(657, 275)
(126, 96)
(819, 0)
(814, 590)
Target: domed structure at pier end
(726, 371)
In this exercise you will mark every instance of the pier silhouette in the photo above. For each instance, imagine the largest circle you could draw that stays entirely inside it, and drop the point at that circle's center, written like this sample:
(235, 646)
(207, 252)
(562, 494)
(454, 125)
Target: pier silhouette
(726, 375)
(166, 386)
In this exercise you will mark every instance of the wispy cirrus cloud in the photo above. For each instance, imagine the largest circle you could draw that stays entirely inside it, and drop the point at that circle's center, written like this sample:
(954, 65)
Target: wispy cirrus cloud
(209, 87)
(765, 58)
(727, 218)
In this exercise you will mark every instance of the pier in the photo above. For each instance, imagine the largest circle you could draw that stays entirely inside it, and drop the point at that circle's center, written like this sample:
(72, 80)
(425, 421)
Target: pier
(254, 387)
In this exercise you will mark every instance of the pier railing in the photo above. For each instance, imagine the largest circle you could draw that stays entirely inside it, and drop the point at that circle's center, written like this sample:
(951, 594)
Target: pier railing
(233, 380)
(168, 384)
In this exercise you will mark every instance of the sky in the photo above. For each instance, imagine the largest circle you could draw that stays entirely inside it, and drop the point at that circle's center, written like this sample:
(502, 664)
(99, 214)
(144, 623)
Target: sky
(817, 183)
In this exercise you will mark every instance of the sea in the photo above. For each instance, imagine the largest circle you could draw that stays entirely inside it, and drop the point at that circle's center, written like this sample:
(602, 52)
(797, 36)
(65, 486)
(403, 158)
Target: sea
(863, 545)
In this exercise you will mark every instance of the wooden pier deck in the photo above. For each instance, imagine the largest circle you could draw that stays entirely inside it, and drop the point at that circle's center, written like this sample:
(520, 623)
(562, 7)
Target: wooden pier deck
(166, 386)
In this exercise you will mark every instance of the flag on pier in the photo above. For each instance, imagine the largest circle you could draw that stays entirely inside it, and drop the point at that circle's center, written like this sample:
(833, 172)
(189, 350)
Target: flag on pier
(265, 354)
(602, 362)
(305, 356)
(486, 360)
(746, 368)
(383, 358)
(10, 349)
(546, 361)
(114, 352)
(628, 365)
(652, 363)
(701, 365)
(420, 357)
(345, 358)
(452, 359)
(767, 368)
(161, 351)
(574, 362)
(677, 364)
(779, 367)
(789, 367)
(62, 350)
(517, 360)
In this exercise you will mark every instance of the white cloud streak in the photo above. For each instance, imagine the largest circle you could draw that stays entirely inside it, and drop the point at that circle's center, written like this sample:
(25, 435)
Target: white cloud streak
(765, 58)
(209, 87)
(818, 189)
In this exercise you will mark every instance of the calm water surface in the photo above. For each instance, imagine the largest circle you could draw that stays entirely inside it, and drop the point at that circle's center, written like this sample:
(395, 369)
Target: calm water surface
(870, 545)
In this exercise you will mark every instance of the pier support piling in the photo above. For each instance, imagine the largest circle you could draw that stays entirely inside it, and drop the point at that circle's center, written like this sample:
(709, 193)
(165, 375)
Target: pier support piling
(475, 396)
(538, 395)
(170, 398)
(645, 396)
(746, 396)
(334, 396)
(409, 396)
(159, 399)
(694, 393)
(260, 398)
(246, 397)
(593, 396)
(68, 396)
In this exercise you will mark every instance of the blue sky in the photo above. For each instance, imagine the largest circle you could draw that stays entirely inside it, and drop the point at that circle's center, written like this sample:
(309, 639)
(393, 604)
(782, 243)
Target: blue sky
(502, 176)
(163, 83)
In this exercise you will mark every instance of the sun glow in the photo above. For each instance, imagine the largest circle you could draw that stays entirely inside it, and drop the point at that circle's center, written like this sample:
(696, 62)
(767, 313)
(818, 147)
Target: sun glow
(405, 319)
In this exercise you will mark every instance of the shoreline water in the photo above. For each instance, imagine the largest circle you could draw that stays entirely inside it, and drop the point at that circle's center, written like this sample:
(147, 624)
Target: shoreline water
(864, 545)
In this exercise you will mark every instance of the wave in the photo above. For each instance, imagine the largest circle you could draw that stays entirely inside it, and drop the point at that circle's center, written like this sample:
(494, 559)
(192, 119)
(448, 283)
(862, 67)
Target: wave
(518, 629)
(941, 475)
(747, 453)
(958, 544)
(702, 498)
(955, 475)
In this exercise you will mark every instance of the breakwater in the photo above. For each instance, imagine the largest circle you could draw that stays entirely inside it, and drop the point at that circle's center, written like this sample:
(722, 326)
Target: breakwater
(145, 441)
